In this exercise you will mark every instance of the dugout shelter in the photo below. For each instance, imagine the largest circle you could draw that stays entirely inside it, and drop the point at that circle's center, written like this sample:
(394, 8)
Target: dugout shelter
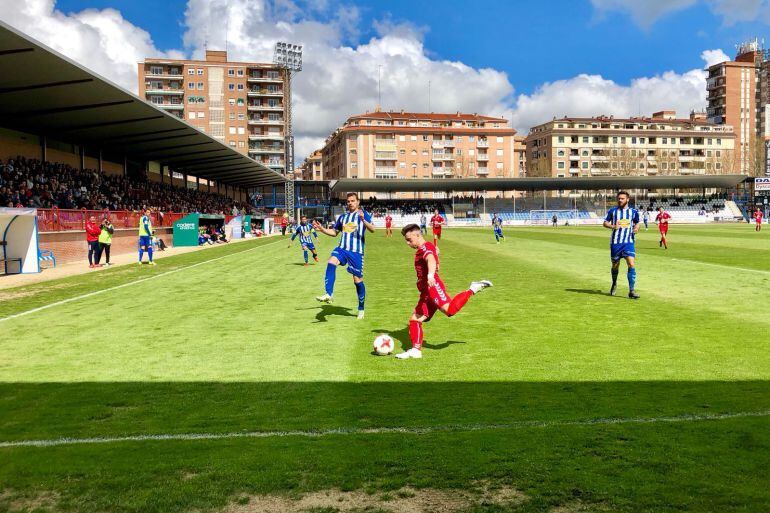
(18, 228)
(186, 229)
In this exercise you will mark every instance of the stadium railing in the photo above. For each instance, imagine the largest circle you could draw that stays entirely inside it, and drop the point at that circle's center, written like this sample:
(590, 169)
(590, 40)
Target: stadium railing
(56, 220)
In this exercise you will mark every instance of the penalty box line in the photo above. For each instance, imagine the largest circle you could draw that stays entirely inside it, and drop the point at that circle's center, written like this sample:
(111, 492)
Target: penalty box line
(448, 428)
(135, 282)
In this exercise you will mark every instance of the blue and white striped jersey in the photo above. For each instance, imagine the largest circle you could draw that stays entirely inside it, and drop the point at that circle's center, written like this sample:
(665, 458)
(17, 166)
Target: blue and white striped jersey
(626, 218)
(305, 233)
(497, 221)
(353, 230)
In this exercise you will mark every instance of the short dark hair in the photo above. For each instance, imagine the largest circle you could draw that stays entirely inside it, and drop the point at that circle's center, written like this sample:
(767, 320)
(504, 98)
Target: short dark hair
(411, 227)
(352, 194)
(623, 192)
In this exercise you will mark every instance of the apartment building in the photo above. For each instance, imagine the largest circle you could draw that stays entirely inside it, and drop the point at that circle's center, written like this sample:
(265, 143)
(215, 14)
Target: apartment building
(312, 167)
(240, 103)
(604, 145)
(420, 145)
(739, 95)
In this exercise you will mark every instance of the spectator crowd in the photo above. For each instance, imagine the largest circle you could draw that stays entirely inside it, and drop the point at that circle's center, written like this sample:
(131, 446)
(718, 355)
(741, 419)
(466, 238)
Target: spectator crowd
(41, 184)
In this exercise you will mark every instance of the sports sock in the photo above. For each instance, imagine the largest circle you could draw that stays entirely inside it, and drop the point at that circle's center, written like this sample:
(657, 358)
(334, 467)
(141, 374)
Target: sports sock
(141, 254)
(361, 290)
(497, 238)
(631, 278)
(149, 253)
(416, 334)
(305, 253)
(331, 274)
(614, 276)
(458, 302)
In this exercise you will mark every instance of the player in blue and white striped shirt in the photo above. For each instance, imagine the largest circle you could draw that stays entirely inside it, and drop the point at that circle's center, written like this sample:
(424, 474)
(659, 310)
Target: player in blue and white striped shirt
(350, 251)
(305, 232)
(624, 223)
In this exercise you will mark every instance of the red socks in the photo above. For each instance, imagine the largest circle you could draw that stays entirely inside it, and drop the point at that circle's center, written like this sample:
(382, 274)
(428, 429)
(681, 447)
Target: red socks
(416, 334)
(458, 302)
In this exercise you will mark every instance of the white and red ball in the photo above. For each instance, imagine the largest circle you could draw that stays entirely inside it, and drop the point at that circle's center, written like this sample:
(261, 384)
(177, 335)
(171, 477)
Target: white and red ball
(384, 344)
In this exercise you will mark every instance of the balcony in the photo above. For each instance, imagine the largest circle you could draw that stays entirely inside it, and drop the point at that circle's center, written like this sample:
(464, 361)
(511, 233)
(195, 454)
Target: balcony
(385, 155)
(164, 91)
(265, 107)
(385, 172)
(266, 122)
(443, 156)
(260, 80)
(266, 137)
(164, 76)
(574, 158)
(482, 143)
(482, 171)
(266, 149)
(482, 157)
(443, 143)
(599, 172)
(170, 106)
(438, 171)
(265, 92)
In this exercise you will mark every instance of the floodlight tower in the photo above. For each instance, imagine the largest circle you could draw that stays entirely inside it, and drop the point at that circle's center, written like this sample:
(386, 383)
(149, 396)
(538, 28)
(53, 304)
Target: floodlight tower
(289, 57)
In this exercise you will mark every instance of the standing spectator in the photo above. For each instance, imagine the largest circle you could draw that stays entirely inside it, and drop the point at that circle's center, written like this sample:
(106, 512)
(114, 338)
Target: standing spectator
(423, 223)
(555, 220)
(92, 237)
(284, 224)
(105, 240)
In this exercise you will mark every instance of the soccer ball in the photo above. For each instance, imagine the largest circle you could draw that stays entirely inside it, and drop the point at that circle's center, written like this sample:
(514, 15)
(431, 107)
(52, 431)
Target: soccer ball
(384, 344)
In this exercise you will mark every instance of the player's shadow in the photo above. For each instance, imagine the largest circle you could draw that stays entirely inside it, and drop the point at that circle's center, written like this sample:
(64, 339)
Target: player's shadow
(327, 310)
(595, 292)
(402, 336)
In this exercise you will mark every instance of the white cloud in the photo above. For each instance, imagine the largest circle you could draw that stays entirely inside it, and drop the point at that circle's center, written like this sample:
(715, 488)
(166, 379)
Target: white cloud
(643, 12)
(102, 40)
(646, 12)
(339, 80)
(591, 95)
(712, 57)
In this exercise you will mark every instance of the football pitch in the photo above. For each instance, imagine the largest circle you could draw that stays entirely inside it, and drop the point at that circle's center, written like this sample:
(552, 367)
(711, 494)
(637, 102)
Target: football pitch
(215, 382)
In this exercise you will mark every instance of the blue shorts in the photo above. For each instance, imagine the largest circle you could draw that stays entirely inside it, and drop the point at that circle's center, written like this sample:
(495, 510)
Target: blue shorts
(308, 246)
(354, 261)
(499, 231)
(618, 251)
(145, 241)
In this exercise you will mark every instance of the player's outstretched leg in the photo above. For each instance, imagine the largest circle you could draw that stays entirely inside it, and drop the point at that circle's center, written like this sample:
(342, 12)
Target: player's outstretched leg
(304, 253)
(631, 274)
(417, 336)
(361, 292)
(315, 255)
(614, 272)
(330, 277)
(458, 302)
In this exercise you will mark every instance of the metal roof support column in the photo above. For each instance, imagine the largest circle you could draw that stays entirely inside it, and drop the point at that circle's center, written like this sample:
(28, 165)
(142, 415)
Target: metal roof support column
(101, 168)
(43, 149)
(82, 157)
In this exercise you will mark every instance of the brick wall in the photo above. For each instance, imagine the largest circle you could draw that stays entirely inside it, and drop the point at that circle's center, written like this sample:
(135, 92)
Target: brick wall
(71, 246)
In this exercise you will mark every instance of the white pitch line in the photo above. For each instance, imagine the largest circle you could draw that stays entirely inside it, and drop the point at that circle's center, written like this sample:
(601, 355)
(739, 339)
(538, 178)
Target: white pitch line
(116, 287)
(449, 428)
(721, 266)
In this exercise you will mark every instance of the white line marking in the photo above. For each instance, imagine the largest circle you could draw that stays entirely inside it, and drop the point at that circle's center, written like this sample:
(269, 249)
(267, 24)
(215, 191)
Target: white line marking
(721, 266)
(116, 287)
(450, 428)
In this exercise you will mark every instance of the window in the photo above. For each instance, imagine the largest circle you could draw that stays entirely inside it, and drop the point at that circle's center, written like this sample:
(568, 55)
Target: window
(499, 139)
(585, 165)
(499, 165)
(614, 140)
(156, 70)
(200, 86)
(414, 152)
(354, 165)
(402, 138)
(191, 71)
(241, 144)
(230, 72)
(232, 115)
(413, 138)
(402, 152)
(240, 87)
(240, 102)
(585, 139)
(499, 153)
(240, 72)
(665, 140)
(561, 138)
(585, 153)
(190, 85)
(232, 130)
(191, 99)
(424, 137)
(719, 142)
(191, 115)
(471, 138)
(241, 117)
(633, 140)
(201, 115)
(622, 140)
(232, 143)
(402, 164)
(200, 71)
(471, 153)
(560, 165)
(231, 101)
(231, 87)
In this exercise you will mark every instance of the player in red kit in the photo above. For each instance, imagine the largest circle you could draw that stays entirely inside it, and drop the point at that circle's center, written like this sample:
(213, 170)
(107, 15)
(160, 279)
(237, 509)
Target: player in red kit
(388, 226)
(758, 218)
(433, 294)
(436, 221)
(662, 220)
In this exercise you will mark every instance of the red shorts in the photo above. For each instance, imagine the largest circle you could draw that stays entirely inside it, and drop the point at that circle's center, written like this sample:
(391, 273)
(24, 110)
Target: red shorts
(387, 225)
(437, 230)
(431, 299)
(663, 228)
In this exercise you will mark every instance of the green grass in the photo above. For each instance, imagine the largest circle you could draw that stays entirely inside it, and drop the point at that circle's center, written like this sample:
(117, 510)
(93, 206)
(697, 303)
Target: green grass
(239, 344)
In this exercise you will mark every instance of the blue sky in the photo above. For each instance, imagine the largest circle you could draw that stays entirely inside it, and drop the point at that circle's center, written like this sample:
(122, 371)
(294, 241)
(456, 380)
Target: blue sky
(532, 41)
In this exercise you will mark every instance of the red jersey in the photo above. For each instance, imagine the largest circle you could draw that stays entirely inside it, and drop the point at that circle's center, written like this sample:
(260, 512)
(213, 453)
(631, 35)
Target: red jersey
(758, 216)
(93, 231)
(388, 221)
(437, 221)
(663, 217)
(421, 263)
